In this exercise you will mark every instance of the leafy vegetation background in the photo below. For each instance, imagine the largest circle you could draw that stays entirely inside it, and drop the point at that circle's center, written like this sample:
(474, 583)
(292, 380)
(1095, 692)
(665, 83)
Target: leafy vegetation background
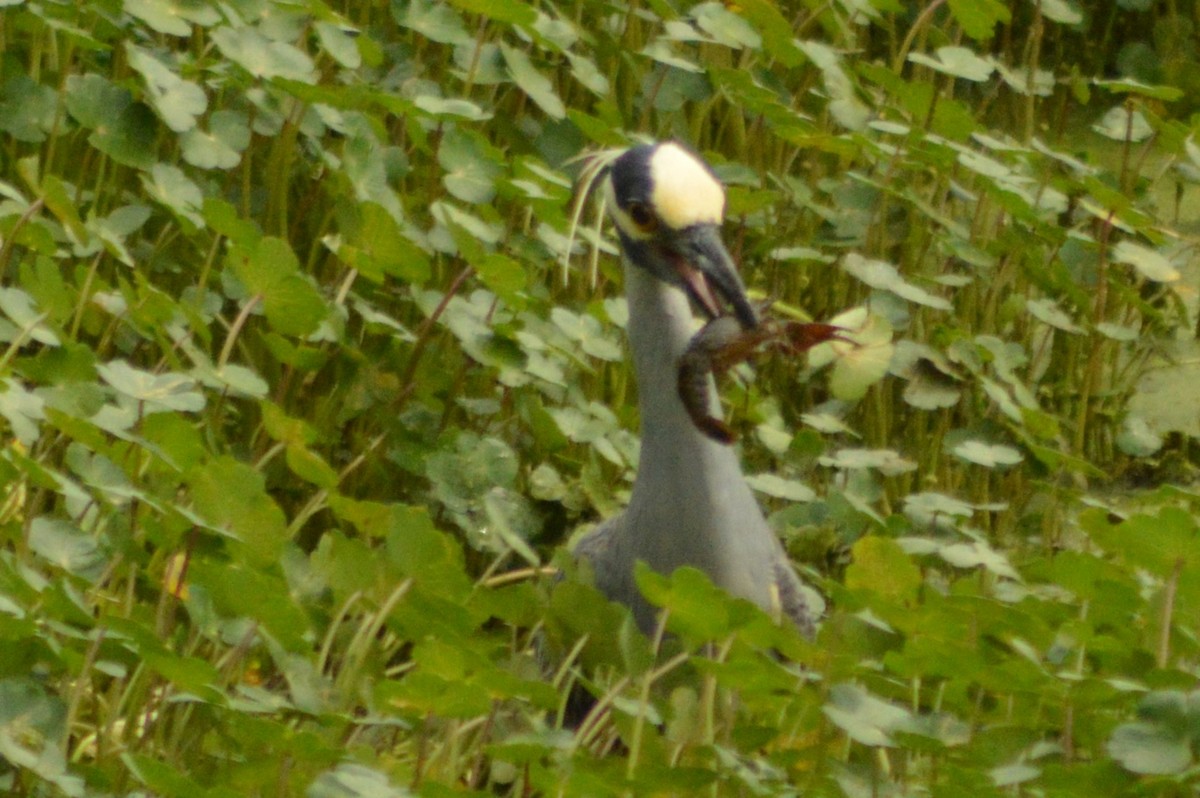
(310, 368)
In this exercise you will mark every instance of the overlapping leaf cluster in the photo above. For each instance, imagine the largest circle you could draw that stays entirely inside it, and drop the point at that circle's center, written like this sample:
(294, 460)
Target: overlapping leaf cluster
(296, 402)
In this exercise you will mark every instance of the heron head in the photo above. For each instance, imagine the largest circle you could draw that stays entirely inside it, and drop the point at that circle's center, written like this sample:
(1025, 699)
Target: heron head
(668, 207)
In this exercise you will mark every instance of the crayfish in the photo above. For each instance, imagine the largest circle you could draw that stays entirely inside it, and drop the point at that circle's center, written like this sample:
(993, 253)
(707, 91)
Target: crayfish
(723, 343)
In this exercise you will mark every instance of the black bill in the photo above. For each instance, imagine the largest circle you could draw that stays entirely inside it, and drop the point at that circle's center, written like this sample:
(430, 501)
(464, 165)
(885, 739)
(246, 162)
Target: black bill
(708, 273)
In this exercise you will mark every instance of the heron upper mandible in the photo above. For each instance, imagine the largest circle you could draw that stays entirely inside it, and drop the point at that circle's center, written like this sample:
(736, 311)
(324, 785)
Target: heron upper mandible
(690, 503)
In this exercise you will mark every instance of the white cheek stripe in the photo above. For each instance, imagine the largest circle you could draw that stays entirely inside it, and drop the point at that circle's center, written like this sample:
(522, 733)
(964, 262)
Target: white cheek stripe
(685, 192)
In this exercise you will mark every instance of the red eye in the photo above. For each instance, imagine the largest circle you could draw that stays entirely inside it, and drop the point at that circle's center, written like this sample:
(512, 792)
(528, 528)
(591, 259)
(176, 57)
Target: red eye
(642, 216)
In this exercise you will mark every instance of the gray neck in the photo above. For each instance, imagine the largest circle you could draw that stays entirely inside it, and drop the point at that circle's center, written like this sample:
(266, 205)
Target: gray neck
(690, 503)
(660, 326)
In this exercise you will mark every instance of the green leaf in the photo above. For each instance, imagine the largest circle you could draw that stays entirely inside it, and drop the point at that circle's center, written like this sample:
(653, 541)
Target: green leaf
(340, 43)
(473, 481)
(435, 21)
(1131, 86)
(177, 101)
(112, 230)
(231, 378)
(845, 106)
(987, 455)
(471, 166)
(130, 140)
(65, 546)
(225, 220)
(1117, 332)
(827, 423)
(351, 565)
(240, 590)
(219, 147)
(451, 108)
(978, 554)
(546, 484)
(596, 130)
(154, 392)
(176, 438)
(27, 109)
(513, 12)
(504, 276)
(925, 507)
(261, 57)
(583, 328)
(1136, 439)
(554, 33)
(979, 18)
(698, 611)
(929, 389)
(861, 358)
(188, 673)
(866, 719)
(32, 725)
(1122, 123)
(232, 496)
(373, 316)
(418, 549)
(172, 17)
(881, 566)
(511, 524)
(726, 27)
(886, 460)
(269, 270)
(377, 247)
(884, 276)
(961, 62)
(1155, 542)
(160, 777)
(1150, 748)
(285, 429)
(170, 186)
(94, 101)
(539, 88)
(58, 200)
(23, 410)
(121, 128)
(311, 467)
(103, 475)
(585, 71)
(780, 488)
(1062, 11)
(352, 780)
(1013, 774)
(18, 307)
(1049, 312)
(1150, 263)
(776, 31)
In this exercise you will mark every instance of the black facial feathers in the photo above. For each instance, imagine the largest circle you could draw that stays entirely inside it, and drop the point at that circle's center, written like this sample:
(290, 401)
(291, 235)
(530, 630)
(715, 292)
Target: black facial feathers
(631, 177)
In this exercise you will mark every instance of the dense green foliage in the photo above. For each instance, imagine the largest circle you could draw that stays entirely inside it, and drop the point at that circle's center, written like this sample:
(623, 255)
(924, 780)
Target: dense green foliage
(311, 366)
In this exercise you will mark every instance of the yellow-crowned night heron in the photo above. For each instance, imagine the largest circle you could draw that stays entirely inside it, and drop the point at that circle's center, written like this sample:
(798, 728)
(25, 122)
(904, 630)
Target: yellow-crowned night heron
(690, 503)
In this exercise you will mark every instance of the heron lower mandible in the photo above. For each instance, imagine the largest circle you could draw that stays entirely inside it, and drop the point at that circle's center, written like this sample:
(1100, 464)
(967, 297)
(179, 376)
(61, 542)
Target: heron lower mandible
(690, 503)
